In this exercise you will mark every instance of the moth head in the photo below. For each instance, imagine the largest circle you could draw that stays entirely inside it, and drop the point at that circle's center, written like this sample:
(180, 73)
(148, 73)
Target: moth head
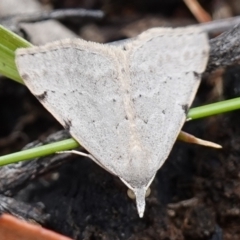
(140, 193)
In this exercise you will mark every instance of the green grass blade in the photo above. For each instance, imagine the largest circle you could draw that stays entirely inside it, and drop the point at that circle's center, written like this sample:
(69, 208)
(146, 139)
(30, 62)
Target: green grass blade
(9, 42)
(214, 108)
(194, 113)
(41, 151)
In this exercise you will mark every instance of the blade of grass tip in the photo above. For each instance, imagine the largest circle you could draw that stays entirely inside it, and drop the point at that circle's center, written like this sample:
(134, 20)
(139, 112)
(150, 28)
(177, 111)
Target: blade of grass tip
(36, 152)
(214, 108)
(9, 42)
(12, 40)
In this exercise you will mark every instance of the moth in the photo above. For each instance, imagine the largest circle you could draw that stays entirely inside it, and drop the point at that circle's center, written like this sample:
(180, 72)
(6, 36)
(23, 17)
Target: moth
(125, 104)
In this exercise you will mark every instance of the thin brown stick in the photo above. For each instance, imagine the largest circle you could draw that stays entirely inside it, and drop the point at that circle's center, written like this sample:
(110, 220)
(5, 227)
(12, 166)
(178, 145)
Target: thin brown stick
(200, 14)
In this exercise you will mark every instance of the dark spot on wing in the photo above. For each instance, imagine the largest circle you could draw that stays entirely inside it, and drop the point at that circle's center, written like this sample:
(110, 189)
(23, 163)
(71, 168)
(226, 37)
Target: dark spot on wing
(145, 121)
(185, 108)
(139, 95)
(114, 100)
(205, 53)
(163, 111)
(126, 117)
(42, 96)
(67, 124)
(25, 76)
(197, 75)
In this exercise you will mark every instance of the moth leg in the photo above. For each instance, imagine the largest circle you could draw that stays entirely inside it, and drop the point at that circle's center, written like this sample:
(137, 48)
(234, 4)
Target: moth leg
(78, 153)
(87, 155)
(186, 137)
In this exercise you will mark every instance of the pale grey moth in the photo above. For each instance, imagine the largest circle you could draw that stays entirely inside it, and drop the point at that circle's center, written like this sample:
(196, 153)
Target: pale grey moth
(126, 105)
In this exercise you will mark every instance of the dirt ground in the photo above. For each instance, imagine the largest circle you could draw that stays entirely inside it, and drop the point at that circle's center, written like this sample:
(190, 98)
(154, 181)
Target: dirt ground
(195, 195)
